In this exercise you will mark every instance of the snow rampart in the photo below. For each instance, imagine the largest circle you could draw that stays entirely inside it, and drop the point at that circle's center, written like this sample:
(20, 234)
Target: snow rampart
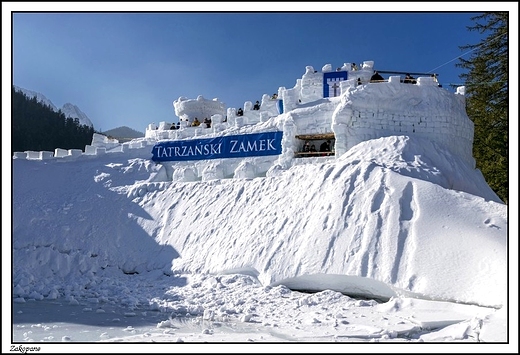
(99, 147)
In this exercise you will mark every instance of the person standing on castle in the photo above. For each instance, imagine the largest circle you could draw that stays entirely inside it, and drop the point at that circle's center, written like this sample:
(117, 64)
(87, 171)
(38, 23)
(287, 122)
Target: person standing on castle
(376, 78)
(408, 79)
(434, 77)
(195, 122)
(354, 66)
(240, 112)
(257, 106)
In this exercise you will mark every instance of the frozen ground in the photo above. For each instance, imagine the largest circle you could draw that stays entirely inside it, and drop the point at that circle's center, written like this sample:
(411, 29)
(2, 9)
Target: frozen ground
(237, 309)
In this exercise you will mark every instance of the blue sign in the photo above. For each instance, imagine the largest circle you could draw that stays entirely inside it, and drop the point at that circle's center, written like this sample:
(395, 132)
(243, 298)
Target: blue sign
(238, 146)
(331, 81)
(279, 106)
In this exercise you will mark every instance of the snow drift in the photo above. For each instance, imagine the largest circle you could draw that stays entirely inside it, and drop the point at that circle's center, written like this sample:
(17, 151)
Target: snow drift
(374, 214)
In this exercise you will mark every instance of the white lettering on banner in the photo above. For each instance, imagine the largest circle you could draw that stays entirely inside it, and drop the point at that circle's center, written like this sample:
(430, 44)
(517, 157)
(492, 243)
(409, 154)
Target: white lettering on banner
(233, 144)
(187, 151)
(255, 146)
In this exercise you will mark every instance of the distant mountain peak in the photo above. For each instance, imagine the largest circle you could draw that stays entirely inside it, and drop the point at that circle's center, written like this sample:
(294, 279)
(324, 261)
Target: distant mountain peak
(73, 111)
(68, 109)
(123, 132)
(39, 97)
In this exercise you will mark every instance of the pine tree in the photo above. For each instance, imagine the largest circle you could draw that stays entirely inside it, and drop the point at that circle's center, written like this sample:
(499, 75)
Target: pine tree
(487, 98)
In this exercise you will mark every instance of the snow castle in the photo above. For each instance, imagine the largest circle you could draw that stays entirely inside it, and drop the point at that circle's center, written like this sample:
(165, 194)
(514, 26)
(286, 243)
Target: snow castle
(343, 106)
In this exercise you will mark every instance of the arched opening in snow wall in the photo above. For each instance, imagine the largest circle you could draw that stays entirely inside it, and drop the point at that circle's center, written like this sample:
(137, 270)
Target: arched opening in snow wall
(352, 286)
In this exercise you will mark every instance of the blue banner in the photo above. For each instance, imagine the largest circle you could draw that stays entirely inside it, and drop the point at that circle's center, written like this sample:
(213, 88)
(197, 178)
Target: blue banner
(238, 146)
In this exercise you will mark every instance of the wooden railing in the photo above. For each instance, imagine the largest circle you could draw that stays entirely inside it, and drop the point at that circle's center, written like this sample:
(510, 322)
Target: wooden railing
(313, 154)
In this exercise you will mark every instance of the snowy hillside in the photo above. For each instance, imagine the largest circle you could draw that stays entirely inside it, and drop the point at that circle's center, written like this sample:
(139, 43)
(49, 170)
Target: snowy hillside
(377, 212)
(371, 213)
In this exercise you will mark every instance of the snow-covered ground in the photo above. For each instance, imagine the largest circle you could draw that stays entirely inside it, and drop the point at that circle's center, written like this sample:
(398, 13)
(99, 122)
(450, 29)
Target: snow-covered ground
(86, 267)
(237, 308)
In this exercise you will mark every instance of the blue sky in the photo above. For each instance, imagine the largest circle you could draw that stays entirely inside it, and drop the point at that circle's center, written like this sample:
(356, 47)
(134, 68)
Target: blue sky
(126, 69)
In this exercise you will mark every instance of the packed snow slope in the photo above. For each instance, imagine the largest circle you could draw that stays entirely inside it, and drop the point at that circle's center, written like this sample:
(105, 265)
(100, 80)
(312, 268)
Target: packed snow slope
(392, 216)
